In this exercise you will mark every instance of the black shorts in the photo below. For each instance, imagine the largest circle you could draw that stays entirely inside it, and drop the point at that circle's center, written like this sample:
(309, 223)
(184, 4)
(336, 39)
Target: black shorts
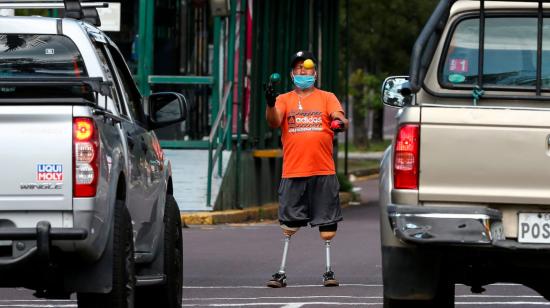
(312, 200)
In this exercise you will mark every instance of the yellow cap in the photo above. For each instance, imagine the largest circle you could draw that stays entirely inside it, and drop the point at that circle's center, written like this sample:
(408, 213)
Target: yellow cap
(308, 64)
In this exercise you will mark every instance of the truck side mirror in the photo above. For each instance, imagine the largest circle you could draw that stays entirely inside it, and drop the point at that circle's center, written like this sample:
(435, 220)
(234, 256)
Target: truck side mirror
(166, 108)
(396, 91)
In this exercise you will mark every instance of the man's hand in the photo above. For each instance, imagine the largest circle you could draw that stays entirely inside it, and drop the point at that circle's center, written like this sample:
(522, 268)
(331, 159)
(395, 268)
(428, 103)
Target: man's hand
(337, 125)
(270, 94)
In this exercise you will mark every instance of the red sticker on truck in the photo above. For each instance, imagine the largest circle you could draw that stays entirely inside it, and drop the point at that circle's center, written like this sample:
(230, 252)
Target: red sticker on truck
(459, 65)
(49, 172)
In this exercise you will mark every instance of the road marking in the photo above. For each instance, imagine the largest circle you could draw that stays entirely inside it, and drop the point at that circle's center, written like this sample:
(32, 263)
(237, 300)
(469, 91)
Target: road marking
(280, 297)
(318, 285)
(299, 304)
(499, 296)
(295, 305)
(347, 296)
(504, 303)
(37, 300)
(288, 286)
(38, 305)
(282, 304)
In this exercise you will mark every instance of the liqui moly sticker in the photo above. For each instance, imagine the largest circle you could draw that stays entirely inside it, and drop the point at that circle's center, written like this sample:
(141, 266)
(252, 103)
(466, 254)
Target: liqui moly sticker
(459, 66)
(49, 172)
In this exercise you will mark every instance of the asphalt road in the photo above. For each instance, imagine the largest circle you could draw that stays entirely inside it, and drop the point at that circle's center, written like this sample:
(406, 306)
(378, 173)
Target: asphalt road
(228, 265)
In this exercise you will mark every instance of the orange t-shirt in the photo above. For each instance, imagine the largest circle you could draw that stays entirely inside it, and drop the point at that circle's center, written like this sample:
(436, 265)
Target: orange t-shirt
(306, 134)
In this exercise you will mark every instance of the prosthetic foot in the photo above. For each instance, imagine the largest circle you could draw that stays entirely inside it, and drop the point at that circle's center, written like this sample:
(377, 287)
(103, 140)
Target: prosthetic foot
(328, 277)
(278, 280)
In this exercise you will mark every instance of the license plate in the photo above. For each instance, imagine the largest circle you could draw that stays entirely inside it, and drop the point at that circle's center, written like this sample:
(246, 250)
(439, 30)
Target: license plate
(534, 228)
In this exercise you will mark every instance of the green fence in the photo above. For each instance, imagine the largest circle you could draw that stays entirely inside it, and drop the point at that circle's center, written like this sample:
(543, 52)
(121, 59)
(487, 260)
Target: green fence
(281, 28)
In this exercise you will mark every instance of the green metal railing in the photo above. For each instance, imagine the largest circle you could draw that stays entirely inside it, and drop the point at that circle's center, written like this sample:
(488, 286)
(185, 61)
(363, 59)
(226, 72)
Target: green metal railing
(307, 25)
(221, 137)
(221, 130)
(145, 46)
(182, 80)
(222, 97)
(240, 99)
(186, 80)
(310, 24)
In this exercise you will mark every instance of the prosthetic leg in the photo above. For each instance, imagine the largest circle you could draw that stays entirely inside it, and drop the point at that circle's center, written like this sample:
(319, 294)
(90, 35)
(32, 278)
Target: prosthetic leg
(327, 234)
(278, 280)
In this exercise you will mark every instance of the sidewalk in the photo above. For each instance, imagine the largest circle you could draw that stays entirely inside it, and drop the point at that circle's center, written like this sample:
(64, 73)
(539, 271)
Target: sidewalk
(362, 155)
(270, 211)
(252, 214)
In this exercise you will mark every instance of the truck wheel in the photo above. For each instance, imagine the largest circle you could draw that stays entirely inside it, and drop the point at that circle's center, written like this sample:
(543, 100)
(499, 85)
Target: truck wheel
(416, 273)
(444, 298)
(169, 294)
(124, 281)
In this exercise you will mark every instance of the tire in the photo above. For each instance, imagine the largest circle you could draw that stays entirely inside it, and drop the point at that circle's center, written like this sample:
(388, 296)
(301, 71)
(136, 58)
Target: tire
(169, 294)
(123, 291)
(416, 273)
(444, 298)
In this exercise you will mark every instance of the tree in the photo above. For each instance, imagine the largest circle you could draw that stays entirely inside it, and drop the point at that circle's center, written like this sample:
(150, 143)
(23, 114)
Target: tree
(381, 36)
(365, 91)
(360, 108)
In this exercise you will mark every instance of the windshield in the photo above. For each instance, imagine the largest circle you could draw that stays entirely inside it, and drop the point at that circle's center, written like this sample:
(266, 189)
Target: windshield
(509, 55)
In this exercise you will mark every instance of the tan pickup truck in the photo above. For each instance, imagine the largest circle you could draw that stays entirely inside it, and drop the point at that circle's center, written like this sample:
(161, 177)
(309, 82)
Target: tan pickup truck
(465, 185)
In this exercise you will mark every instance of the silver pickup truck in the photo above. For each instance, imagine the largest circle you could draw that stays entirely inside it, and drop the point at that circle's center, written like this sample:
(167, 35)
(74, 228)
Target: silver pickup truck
(465, 186)
(86, 200)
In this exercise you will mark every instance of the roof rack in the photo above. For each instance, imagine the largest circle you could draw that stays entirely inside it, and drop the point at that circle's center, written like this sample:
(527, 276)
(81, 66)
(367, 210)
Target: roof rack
(426, 43)
(85, 11)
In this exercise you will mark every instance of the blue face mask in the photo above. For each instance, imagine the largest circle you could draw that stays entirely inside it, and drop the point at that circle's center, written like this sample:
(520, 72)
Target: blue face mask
(303, 81)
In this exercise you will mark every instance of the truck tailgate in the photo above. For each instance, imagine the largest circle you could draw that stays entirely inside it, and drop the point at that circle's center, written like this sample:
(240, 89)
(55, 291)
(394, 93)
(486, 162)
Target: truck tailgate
(36, 158)
(484, 155)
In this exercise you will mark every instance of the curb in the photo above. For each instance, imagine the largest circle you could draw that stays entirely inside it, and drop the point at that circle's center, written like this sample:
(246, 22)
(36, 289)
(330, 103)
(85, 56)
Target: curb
(252, 214)
(365, 172)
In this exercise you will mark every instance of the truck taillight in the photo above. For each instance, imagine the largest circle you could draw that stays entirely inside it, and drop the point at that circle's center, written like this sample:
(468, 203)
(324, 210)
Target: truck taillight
(85, 157)
(405, 158)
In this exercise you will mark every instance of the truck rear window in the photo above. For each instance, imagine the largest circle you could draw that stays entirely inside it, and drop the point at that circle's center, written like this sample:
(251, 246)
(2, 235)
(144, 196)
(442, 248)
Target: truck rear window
(29, 55)
(510, 53)
(40, 56)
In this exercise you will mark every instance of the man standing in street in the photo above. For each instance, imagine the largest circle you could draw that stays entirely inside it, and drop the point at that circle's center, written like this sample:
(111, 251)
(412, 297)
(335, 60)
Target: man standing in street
(308, 192)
